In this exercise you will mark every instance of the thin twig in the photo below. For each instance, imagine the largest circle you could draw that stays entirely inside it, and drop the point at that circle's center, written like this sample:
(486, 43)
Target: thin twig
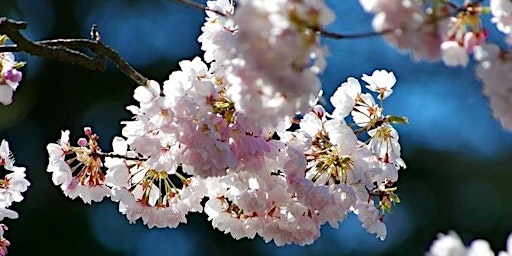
(322, 32)
(199, 6)
(101, 50)
(353, 36)
(65, 50)
(114, 155)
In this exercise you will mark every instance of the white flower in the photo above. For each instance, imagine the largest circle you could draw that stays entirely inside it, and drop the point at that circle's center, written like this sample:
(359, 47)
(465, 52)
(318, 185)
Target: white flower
(366, 113)
(380, 81)
(369, 216)
(9, 77)
(7, 213)
(451, 245)
(6, 158)
(13, 185)
(479, 248)
(219, 31)
(412, 27)
(148, 93)
(311, 124)
(454, 54)
(88, 181)
(502, 15)
(493, 70)
(276, 58)
(384, 143)
(6, 94)
(344, 99)
(509, 247)
(447, 245)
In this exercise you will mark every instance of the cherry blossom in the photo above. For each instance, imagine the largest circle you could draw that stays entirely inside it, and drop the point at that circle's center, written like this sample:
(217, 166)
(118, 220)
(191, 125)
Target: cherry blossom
(11, 186)
(451, 245)
(502, 15)
(454, 54)
(270, 80)
(409, 26)
(508, 252)
(80, 174)
(4, 243)
(494, 66)
(10, 76)
(381, 82)
(241, 136)
(218, 136)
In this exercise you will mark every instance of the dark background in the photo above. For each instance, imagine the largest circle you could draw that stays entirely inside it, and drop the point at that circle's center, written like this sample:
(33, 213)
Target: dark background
(458, 157)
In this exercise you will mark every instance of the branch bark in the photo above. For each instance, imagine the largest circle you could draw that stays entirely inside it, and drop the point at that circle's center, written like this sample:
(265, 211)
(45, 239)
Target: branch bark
(66, 50)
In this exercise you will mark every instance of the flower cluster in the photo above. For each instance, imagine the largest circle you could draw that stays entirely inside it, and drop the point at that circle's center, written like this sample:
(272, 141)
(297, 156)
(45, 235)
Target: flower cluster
(77, 169)
(451, 245)
(272, 54)
(430, 30)
(408, 26)
(444, 30)
(219, 137)
(10, 76)
(11, 186)
(502, 15)
(241, 136)
(495, 65)
(187, 143)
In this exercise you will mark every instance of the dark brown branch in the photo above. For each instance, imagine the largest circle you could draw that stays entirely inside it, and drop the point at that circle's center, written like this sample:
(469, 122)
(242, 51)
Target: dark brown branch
(66, 50)
(322, 32)
(199, 6)
(101, 50)
(352, 36)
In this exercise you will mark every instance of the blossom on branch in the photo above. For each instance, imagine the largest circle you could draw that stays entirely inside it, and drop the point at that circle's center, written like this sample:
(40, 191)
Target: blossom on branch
(217, 136)
(494, 67)
(10, 76)
(77, 169)
(408, 27)
(272, 53)
(11, 186)
(430, 30)
(502, 16)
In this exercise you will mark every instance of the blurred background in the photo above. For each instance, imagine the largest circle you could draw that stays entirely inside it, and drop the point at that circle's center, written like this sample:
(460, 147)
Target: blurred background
(458, 156)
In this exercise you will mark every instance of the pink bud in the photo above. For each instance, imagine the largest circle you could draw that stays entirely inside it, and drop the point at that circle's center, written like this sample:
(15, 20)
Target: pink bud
(470, 41)
(473, 39)
(82, 142)
(88, 131)
(13, 75)
(319, 111)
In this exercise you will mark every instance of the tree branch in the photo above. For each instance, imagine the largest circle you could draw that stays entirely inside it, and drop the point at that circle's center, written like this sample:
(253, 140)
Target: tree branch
(321, 31)
(65, 50)
(333, 35)
(199, 6)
